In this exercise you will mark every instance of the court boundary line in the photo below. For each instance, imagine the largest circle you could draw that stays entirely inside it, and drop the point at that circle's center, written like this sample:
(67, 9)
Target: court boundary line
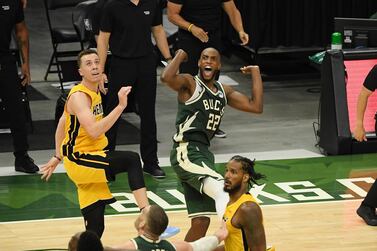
(219, 158)
(179, 211)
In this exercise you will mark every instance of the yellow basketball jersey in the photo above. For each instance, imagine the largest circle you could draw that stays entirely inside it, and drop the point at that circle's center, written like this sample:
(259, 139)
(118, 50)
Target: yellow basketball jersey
(84, 157)
(236, 241)
(76, 138)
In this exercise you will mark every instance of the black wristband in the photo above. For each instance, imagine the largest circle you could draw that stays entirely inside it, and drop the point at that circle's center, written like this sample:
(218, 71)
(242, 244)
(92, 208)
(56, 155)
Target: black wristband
(56, 157)
(169, 58)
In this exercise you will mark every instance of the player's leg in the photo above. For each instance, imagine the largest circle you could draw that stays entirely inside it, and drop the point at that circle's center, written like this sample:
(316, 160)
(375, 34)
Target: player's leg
(101, 167)
(94, 220)
(127, 161)
(199, 208)
(196, 163)
(192, 163)
(215, 189)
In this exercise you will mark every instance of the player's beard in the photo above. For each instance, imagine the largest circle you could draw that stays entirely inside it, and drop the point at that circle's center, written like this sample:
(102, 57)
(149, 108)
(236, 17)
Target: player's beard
(233, 189)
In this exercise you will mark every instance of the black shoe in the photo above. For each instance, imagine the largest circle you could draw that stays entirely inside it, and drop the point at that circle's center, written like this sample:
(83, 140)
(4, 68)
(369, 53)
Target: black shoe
(368, 214)
(220, 133)
(155, 171)
(25, 164)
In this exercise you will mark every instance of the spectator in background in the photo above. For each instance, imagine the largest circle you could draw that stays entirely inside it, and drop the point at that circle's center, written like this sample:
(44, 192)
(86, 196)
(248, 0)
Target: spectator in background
(97, 17)
(367, 209)
(12, 17)
(199, 23)
(126, 26)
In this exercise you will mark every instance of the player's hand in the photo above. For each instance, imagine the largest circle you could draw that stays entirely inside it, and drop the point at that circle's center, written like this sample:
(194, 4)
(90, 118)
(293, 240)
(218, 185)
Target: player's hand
(244, 37)
(222, 232)
(48, 168)
(25, 70)
(183, 54)
(102, 82)
(199, 33)
(250, 69)
(359, 134)
(123, 96)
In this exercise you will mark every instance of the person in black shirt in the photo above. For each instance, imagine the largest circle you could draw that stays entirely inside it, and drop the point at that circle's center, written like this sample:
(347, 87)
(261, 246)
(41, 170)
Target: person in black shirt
(199, 23)
(12, 17)
(97, 16)
(367, 209)
(126, 26)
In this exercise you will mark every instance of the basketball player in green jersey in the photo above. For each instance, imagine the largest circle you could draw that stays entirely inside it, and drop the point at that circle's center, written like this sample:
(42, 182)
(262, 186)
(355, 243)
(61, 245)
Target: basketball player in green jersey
(153, 221)
(201, 103)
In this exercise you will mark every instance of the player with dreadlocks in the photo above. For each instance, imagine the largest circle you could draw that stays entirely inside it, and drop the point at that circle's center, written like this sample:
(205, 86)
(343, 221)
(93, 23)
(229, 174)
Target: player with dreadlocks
(243, 215)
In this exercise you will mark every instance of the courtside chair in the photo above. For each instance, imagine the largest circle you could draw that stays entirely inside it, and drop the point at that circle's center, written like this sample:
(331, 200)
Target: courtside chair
(82, 19)
(56, 9)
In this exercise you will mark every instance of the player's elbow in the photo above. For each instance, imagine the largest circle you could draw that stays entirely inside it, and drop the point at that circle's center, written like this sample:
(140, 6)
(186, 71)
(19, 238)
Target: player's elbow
(258, 106)
(259, 110)
(165, 78)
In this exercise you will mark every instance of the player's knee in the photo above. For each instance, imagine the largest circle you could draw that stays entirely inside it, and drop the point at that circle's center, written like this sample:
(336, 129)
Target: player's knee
(134, 159)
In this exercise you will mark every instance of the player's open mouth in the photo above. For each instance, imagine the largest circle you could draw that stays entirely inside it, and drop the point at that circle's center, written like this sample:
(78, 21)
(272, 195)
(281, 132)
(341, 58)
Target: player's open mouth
(208, 71)
(208, 68)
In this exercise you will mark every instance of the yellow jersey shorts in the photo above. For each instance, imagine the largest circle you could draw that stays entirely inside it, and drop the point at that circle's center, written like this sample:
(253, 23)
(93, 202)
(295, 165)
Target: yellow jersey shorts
(90, 173)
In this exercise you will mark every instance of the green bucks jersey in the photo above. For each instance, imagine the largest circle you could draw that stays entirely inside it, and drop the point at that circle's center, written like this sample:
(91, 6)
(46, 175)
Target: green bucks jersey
(200, 116)
(143, 243)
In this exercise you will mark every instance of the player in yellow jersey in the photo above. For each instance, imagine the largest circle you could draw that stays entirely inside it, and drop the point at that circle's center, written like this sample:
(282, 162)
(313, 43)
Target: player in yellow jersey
(243, 215)
(80, 140)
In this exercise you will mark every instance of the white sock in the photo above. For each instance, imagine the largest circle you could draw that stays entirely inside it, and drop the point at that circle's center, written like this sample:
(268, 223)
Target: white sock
(215, 189)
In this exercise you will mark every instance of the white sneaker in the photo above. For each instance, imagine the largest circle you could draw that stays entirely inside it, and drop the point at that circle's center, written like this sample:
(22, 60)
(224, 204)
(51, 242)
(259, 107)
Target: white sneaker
(220, 133)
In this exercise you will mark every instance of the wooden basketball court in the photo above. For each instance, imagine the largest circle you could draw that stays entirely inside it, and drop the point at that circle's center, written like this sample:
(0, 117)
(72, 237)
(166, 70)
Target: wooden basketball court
(308, 204)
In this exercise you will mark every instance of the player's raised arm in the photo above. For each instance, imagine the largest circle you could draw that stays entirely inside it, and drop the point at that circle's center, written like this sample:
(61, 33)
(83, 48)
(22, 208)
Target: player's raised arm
(176, 81)
(240, 101)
